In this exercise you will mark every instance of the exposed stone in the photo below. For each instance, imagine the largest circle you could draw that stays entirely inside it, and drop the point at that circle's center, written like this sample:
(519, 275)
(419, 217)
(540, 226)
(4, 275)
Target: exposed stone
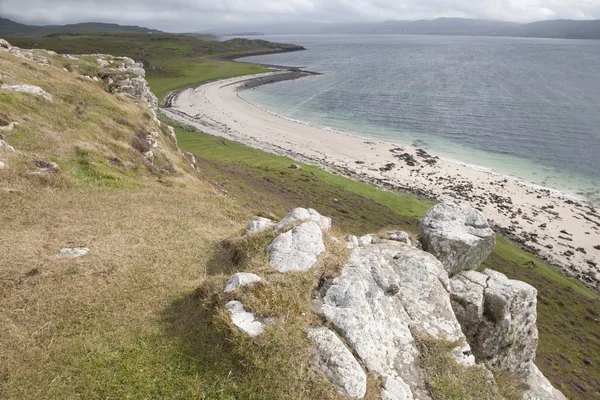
(149, 156)
(367, 240)
(378, 298)
(295, 166)
(538, 386)
(8, 128)
(74, 252)
(35, 90)
(458, 235)
(70, 57)
(400, 236)
(338, 363)
(297, 249)
(244, 320)
(2, 164)
(5, 147)
(498, 316)
(4, 45)
(239, 280)
(303, 214)
(259, 224)
(352, 242)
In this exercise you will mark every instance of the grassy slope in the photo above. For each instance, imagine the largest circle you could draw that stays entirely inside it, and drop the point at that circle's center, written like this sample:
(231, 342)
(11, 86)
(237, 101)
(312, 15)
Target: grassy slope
(568, 319)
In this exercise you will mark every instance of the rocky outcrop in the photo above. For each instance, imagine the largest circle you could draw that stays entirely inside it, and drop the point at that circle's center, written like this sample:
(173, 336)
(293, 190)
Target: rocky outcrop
(386, 290)
(301, 215)
(338, 363)
(30, 89)
(498, 315)
(240, 280)
(298, 248)
(390, 295)
(259, 224)
(244, 320)
(126, 77)
(458, 235)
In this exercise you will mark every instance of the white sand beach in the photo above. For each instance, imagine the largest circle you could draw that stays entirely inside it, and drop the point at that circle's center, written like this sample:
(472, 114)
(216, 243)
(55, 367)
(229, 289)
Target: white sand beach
(565, 233)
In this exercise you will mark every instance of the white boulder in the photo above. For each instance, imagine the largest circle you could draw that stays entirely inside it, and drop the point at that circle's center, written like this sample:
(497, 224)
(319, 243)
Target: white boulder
(458, 235)
(259, 224)
(303, 214)
(244, 320)
(338, 363)
(2, 164)
(35, 90)
(297, 249)
(240, 280)
(4, 45)
(400, 236)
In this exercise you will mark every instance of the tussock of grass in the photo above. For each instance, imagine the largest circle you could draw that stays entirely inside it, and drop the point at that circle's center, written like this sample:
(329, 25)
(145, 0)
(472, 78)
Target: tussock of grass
(447, 379)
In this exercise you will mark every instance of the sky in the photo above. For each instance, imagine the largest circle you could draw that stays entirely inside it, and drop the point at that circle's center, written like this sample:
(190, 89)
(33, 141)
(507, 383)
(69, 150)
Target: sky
(197, 15)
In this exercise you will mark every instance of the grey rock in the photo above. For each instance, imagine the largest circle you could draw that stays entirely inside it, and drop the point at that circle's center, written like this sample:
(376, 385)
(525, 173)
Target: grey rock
(458, 235)
(351, 242)
(338, 363)
(367, 240)
(172, 133)
(4, 147)
(35, 90)
(239, 280)
(259, 224)
(297, 249)
(498, 316)
(538, 386)
(8, 128)
(74, 252)
(244, 320)
(303, 214)
(295, 166)
(385, 290)
(4, 45)
(400, 236)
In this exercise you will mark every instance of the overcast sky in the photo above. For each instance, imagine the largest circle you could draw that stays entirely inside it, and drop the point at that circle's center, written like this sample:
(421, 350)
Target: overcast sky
(188, 15)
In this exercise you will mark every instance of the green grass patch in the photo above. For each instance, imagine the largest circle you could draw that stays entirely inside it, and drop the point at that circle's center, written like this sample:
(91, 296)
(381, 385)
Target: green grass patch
(177, 75)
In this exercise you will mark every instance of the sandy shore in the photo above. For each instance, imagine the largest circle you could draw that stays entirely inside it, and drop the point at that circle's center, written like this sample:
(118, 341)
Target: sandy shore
(561, 231)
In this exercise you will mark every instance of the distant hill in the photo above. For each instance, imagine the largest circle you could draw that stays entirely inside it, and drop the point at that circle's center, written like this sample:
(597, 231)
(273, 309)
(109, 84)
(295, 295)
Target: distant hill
(568, 29)
(12, 28)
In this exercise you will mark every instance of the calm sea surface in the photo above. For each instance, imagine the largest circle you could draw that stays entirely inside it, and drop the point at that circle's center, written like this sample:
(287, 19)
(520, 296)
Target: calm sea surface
(529, 108)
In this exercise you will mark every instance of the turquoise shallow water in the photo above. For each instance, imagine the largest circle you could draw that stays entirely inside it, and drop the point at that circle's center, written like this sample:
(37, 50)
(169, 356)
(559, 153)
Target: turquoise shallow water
(528, 108)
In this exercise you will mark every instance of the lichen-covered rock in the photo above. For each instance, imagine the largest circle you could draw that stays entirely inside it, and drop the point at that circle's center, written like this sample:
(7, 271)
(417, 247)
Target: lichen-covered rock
(338, 363)
(297, 249)
(240, 280)
(303, 214)
(458, 235)
(35, 90)
(498, 316)
(385, 290)
(352, 242)
(259, 224)
(244, 320)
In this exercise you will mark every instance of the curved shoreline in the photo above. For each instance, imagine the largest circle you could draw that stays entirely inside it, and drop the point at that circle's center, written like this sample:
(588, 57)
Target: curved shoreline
(559, 230)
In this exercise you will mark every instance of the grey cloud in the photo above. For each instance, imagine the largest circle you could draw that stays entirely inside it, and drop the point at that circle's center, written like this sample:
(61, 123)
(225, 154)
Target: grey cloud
(185, 15)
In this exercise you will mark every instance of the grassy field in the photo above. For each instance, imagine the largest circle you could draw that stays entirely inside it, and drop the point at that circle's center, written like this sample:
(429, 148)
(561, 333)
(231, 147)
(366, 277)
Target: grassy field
(141, 316)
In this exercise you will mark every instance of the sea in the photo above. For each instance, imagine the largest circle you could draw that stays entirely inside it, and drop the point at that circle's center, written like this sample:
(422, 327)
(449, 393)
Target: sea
(520, 107)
